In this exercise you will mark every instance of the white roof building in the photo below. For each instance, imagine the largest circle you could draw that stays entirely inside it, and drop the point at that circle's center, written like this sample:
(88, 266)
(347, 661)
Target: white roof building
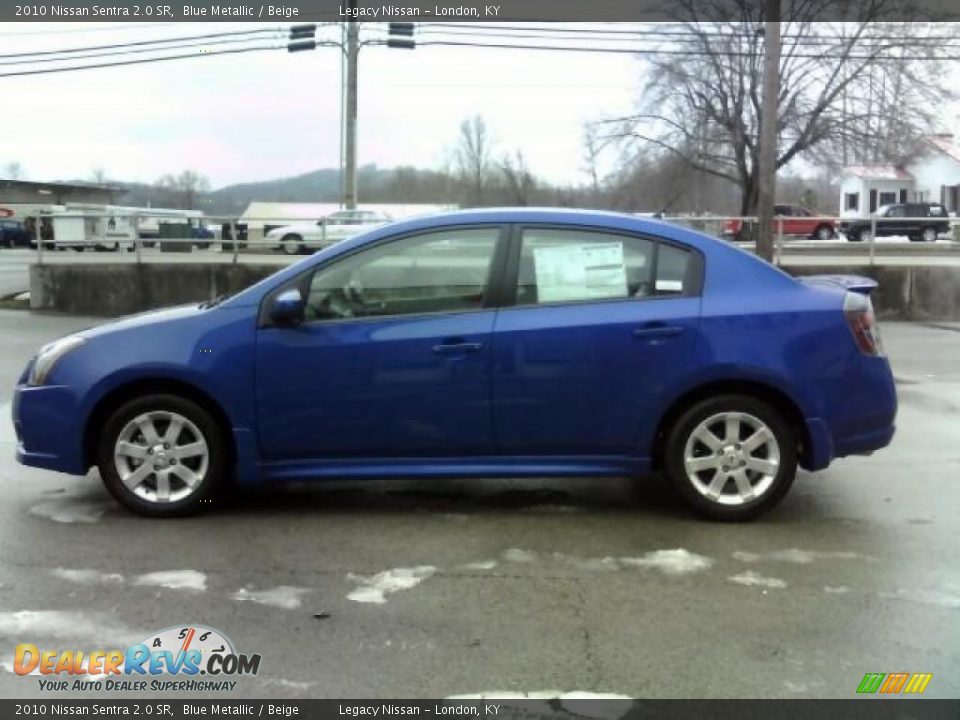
(932, 176)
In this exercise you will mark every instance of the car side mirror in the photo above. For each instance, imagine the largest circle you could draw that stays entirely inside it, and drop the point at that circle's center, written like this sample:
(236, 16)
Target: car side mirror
(287, 308)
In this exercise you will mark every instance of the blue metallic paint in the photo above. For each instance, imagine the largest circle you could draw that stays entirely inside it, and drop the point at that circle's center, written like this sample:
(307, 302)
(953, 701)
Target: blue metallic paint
(564, 389)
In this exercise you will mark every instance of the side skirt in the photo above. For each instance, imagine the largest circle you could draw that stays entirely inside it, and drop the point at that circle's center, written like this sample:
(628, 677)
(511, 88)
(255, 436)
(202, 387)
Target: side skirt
(501, 466)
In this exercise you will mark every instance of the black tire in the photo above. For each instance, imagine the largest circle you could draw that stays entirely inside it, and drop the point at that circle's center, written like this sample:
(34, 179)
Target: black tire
(824, 232)
(217, 465)
(929, 234)
(689, 421)
(853, 235)
(291, 241)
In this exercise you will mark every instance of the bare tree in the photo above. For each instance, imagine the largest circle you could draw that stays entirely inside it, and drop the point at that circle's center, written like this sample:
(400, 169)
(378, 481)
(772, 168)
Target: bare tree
(185, 187)
(98, 176)
(592, 147)
(520, 181)
(704, 105)
(473, 159)
(13, 171)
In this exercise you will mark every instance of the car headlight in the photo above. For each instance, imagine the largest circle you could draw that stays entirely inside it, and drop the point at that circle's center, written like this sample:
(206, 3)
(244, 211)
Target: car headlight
(49, 355)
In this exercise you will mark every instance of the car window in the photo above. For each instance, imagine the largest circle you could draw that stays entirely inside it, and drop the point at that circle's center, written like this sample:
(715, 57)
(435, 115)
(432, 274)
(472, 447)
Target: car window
(895, 211)
(435, 272)
(673, 265)
(577, 265)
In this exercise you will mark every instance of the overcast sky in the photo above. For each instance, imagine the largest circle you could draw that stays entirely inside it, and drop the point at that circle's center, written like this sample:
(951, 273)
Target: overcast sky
(264, 115)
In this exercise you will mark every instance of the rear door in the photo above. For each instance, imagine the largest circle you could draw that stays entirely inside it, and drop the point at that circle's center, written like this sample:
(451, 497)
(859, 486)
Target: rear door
(597, 329)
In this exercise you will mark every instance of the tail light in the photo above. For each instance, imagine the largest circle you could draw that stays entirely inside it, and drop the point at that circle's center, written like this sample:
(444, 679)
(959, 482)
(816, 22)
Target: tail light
(858, 310)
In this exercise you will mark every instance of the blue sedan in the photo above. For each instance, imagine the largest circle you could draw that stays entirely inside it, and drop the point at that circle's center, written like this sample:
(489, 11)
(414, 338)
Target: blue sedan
(501, 343)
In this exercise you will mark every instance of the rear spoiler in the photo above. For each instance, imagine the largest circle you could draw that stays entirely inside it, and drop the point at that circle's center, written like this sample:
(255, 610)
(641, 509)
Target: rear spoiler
(853, 283)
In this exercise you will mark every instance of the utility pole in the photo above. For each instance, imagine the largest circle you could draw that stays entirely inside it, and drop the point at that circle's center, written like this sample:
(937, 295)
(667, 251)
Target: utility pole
(350, 122)
(770, 112)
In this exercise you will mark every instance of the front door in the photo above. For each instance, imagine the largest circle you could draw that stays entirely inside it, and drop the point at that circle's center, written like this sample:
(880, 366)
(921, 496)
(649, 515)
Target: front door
(392, 356)
(600, 334)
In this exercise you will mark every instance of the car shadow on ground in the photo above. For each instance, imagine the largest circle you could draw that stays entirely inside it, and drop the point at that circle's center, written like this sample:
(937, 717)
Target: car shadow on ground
(467, 496)
(86, 500)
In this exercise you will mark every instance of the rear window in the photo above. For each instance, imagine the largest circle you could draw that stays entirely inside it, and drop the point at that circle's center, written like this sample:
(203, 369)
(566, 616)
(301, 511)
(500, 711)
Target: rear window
(586, 265)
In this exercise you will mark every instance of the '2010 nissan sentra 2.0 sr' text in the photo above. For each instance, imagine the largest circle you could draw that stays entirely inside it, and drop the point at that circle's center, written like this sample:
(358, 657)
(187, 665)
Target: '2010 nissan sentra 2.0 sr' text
(479, 343)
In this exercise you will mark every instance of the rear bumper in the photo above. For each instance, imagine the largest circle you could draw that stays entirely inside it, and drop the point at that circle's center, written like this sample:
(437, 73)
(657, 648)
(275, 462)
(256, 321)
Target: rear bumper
(49, 429)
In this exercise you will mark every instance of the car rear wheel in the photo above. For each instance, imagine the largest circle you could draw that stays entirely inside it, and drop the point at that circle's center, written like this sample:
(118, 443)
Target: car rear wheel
(292, 244)
(162, 456)
(731, 457)
(929, 234)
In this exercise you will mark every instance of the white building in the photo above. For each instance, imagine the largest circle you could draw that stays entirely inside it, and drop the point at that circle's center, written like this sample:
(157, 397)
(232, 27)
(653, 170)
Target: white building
(932, 176)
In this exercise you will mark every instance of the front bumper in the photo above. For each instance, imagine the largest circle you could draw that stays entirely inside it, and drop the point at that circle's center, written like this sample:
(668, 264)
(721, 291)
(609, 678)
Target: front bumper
(49, 428)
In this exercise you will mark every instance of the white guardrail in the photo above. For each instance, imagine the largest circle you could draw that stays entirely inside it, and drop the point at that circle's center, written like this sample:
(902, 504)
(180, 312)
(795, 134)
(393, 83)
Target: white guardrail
(228, 228)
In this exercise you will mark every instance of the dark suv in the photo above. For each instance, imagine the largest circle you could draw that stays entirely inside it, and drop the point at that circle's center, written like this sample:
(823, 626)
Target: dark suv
(13, 234)
(918, 221)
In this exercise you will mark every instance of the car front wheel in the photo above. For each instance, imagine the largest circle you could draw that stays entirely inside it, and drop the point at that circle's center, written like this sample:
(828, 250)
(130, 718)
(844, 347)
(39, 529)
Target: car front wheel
(162, 455)
(731, 457)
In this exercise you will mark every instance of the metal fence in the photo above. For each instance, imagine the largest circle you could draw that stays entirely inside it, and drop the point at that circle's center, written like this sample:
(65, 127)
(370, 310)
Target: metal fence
(232, 238)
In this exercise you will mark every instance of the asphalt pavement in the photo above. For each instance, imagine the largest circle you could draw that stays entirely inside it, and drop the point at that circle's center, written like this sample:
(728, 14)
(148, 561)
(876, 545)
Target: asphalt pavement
(427, 589)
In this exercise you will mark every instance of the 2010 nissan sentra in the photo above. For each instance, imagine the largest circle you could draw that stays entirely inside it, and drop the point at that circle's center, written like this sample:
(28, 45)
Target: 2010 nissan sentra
(503, 343)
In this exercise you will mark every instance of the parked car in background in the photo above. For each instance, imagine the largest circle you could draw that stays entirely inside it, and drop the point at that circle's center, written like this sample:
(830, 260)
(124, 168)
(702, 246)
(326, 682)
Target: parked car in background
(797, 222)
(298, 238)
(498, 343)
(13, 233)
(919, 221)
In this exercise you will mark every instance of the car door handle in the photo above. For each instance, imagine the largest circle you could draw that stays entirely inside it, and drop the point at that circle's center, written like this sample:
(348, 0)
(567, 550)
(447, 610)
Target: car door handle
(654, 332)
(454, 347)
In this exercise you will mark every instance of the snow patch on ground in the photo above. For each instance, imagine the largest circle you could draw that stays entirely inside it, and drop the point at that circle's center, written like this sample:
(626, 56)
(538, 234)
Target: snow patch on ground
(87, 576)
(282, 596)
(289, 684)
(670, 562)
(519, 556)
(375, 588)
(794, 555)
(174, 580)
(836, 590)
(71, 510)
(753, 578)
(481, 565)
(940, 598)
(97, 627)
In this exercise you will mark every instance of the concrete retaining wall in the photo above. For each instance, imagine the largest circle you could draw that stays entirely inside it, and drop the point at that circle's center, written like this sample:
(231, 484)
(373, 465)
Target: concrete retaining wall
(121, 289)
(905, 293)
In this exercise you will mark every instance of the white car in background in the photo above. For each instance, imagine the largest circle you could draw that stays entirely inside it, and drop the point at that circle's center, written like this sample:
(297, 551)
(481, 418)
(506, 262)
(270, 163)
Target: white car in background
(300, 237)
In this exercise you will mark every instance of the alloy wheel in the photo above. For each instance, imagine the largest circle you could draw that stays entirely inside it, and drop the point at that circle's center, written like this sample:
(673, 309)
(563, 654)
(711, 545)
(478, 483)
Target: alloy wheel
(161, 456)
(732, 458)
(929, 235)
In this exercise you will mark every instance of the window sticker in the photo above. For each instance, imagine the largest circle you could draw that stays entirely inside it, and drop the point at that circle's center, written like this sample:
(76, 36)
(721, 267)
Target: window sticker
(580, 272)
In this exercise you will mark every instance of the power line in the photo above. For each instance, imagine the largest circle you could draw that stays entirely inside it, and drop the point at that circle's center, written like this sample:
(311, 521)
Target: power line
(109, 28)
(120, 63)
(510, 35)
(160, 41)
(657, 51)
(131, 51)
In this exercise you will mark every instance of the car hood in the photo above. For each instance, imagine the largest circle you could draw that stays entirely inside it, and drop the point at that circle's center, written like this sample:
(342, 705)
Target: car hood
(139, 320)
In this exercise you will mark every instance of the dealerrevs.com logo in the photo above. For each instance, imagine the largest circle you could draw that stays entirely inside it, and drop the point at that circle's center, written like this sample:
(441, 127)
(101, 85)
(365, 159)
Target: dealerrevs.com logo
(190, 657)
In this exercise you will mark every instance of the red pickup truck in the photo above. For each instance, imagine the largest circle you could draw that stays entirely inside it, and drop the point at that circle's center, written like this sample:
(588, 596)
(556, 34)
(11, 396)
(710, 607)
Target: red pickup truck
(796, 221)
